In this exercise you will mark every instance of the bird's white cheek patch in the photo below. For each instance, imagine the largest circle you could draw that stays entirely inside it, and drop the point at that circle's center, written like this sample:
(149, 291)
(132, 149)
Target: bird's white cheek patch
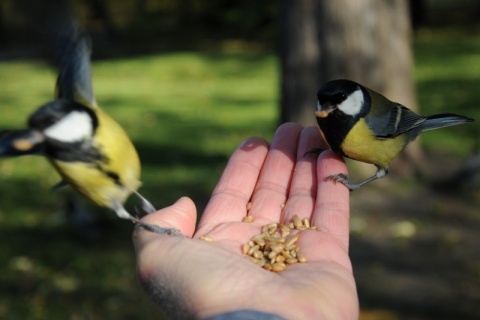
(353, 104)
(73, 127)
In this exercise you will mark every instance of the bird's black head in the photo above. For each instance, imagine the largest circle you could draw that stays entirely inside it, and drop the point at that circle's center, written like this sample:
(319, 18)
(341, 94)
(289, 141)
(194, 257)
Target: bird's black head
(340, 104)
(65, 121)
(344, 97)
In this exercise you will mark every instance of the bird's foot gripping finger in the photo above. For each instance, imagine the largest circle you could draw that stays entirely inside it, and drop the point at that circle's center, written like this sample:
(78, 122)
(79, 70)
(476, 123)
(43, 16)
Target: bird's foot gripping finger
(122, 213)
(341, 177)
(156, 229)
(315, 151)
(345, 180)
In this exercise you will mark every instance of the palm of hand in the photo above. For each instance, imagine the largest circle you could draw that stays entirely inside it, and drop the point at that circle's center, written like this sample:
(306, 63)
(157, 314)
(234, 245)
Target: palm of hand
(186, 276)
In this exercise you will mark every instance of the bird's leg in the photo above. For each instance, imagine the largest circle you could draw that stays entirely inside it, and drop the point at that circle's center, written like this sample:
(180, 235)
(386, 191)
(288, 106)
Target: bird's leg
(122, 213)
(343, 178)
(147, 207)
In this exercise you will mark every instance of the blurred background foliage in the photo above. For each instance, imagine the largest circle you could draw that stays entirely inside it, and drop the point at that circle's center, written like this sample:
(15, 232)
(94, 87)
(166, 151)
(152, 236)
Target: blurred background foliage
(189, 80)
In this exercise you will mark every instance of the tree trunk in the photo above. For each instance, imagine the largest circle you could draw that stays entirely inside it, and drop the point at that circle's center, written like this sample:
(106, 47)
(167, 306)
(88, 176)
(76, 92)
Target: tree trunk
(300, 62)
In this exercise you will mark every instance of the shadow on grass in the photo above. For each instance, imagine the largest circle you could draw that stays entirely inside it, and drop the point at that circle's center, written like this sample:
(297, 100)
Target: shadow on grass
(46, 267)
(416, 251)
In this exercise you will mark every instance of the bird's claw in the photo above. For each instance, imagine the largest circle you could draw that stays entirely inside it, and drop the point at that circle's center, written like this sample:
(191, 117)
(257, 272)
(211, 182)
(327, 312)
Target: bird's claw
(343, 179)
(156, 229)
(340, 177)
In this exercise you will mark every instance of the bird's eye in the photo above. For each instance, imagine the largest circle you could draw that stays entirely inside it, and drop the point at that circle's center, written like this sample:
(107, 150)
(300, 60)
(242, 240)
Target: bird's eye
(50, 121)
(340, 97)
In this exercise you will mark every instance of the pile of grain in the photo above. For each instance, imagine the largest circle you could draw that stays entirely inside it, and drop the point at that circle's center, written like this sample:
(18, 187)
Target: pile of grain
(275, 247)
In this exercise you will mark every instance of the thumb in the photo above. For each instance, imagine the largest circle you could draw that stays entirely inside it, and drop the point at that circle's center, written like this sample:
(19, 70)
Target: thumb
(181, 215)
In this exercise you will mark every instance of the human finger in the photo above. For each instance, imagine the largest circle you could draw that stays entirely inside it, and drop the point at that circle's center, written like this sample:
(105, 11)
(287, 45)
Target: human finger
(273, 184)
(332, 209)
(230, 197)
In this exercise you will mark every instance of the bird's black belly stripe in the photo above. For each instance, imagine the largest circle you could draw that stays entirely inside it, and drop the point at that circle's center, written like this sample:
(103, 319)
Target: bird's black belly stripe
(115, 177)
(82, 151)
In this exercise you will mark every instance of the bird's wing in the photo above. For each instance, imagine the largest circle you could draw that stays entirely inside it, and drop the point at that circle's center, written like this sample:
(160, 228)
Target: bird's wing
(74, 82)
(396, 122)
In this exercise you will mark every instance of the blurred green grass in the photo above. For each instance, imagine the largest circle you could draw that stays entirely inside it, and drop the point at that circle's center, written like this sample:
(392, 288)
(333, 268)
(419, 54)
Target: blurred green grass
(185, 112)
(448, 77)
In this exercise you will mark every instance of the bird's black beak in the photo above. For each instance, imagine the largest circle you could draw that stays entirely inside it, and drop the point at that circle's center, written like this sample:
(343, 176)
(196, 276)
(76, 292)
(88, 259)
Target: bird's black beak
(28, 141)
(324, 110)
(20, 142)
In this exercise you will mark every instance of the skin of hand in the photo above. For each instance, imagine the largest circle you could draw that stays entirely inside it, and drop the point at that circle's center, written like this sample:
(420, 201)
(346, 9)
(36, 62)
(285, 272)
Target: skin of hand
(190, 278)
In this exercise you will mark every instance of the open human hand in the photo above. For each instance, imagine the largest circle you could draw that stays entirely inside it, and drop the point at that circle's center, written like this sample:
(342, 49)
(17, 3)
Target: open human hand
(190, 278)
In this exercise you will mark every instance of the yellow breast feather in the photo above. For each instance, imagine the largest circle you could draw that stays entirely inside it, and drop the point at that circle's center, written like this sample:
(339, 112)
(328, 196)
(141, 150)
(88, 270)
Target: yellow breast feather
(360, 144)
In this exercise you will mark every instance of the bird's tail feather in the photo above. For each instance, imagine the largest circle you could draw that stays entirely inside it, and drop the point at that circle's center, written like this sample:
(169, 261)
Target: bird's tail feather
(443, 120)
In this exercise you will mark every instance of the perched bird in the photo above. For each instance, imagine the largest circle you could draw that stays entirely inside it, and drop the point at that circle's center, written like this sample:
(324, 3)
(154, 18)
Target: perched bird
(91, 151)
(363, 125)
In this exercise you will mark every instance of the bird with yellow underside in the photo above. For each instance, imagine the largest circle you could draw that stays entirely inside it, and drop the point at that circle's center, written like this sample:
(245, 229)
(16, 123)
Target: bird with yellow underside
(361, 124)
(89, 149)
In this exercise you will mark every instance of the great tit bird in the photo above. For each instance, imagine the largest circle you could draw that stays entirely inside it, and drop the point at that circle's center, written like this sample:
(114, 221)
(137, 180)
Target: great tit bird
(361, 124)
(91, 151)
